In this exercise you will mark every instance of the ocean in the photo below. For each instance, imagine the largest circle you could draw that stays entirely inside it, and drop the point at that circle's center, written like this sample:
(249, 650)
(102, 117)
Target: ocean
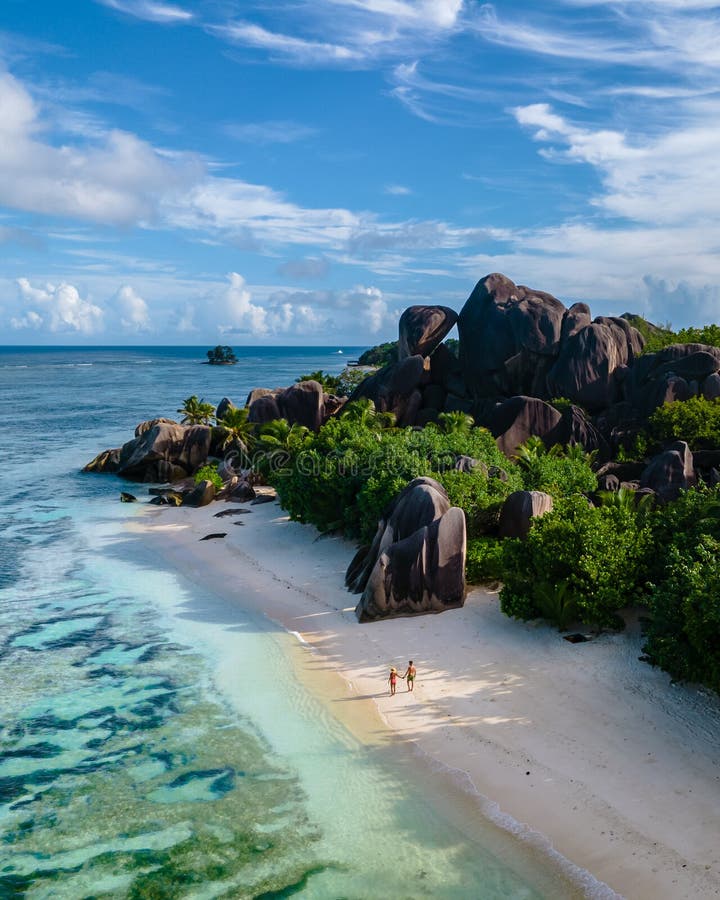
(124, 770)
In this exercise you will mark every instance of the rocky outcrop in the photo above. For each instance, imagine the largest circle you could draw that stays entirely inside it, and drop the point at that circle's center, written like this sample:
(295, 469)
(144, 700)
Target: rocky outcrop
(592, 361)
(395, 388)
(416, 563)
(667, 375)
(107, 461)
(519, 418)
(670, 472)
(165, 452)
(302, 404)
(151, 423)
(518, 511)
(202, 495)
(422, 328)
(509, 334)
(224, 407)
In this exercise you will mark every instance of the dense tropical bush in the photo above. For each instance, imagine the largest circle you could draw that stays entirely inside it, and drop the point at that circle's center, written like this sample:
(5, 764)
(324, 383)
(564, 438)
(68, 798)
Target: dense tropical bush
(556, 471)
(683, 631)
(343, 477)
(209, 473)
(479, 496)
(595, 559)
(696, 421)
(485, 560)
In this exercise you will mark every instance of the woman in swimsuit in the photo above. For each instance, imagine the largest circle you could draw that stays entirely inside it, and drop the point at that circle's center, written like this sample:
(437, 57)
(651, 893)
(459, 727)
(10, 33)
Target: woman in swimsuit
(410, 675)
(393, 680)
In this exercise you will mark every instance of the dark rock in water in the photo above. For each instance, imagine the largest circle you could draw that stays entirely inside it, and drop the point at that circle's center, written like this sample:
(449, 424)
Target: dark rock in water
(422, 328)
(211, 537)
(519, 418)
(392, 387)
(502, 321)
(519, 509)
(238, 523)
(151, 423)
(416, 563)
(243, 492)
(576, 638)
(263, 498)
(237, 511)
(127, 498)
(224, 407)
(181, 445)
(107, 461)
(670, 472)
(203, 494)
(423, 573)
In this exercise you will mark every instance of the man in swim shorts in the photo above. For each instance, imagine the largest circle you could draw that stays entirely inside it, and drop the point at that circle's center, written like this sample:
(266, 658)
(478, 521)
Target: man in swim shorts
(410, 675)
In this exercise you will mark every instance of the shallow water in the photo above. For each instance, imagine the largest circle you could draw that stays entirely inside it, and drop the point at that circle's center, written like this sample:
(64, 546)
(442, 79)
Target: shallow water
(124, 770)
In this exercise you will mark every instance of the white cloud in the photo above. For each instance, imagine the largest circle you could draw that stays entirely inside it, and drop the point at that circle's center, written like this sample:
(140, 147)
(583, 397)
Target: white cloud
(164, 13)
(132, 309)
(57, 308)
(298, 50)
(397, 190)
(117, 180)
(673, 178)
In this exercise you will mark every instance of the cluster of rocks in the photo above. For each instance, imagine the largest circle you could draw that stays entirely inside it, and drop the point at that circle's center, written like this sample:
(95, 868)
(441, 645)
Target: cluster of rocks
(520, 348)
(520, 351)
(304, 403)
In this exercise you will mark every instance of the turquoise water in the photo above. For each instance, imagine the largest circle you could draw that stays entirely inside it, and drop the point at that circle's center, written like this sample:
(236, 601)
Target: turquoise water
(124, 770)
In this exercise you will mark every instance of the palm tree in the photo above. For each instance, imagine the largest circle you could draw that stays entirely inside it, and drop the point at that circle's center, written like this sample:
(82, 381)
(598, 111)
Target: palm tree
(577, 452)
(363, 413)
(455, 422)
(196, 412)
(628, 501)
(239, 433)
(280, 435)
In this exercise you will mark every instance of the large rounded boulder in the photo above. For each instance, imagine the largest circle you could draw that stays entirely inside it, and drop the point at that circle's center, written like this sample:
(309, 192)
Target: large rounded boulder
(416, 563)
(518, 511)
(166, 447)
(507, 333)
(422, 329)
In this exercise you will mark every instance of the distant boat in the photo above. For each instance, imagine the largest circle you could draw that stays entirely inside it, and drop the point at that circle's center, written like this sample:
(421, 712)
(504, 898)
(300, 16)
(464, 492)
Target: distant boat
(340, 352)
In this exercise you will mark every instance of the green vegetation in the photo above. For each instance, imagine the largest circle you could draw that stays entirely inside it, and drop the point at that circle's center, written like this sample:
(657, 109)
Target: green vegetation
(696, 421)
(597, 556)
(341, 385)
(328, 382)
(196, 412)
(221, 356)
(236, 432)
(684, 626)
(556, 471)
(659, 336)
(382, 355)
(343, 477)
(209, 473)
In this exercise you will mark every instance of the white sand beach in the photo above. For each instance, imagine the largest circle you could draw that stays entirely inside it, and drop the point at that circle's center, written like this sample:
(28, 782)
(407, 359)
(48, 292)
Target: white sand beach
(583, 744)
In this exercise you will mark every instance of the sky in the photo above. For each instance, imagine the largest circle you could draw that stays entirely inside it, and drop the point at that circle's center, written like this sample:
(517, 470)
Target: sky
(299, 171)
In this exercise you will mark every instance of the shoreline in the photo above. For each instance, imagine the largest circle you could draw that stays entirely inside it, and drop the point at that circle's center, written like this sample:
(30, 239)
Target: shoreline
(585, 750)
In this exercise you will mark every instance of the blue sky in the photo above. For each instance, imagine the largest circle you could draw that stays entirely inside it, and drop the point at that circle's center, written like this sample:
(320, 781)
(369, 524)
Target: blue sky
(299, 172)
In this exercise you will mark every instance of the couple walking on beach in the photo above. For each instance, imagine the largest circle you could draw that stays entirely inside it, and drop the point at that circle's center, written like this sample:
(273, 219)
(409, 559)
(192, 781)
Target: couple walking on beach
(409, 676)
